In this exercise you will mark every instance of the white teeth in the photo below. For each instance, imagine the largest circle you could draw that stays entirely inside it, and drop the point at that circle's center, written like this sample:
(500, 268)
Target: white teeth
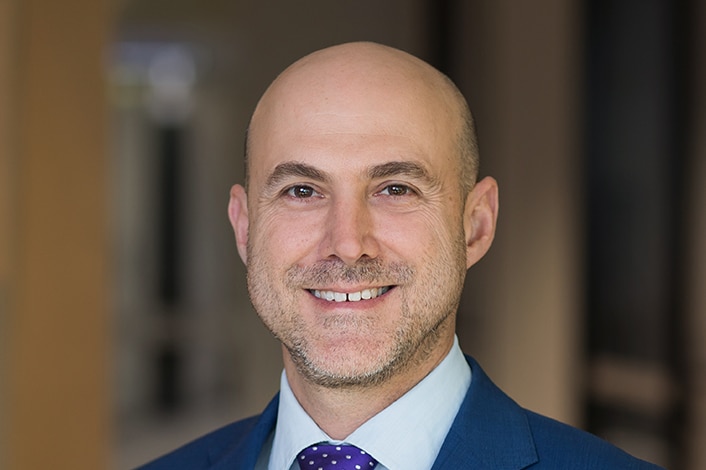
(365, 294)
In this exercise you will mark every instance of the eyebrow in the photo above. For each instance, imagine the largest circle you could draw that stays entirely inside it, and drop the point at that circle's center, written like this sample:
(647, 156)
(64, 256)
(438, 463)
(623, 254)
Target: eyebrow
(289, 169)
(403, 168)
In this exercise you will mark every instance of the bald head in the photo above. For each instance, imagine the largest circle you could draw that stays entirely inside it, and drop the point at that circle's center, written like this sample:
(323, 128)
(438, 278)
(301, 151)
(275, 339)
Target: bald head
(370, 82)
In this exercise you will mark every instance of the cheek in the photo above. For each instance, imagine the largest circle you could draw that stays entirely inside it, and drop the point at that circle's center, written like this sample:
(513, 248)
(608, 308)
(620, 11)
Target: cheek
(420, 233)
(286, 234)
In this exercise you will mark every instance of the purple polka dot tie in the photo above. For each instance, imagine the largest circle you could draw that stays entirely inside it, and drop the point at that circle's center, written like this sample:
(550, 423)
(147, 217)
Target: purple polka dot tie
(335, 457)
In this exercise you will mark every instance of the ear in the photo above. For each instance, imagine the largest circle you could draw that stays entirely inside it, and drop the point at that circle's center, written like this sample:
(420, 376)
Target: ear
(480, 216)
(238, 215)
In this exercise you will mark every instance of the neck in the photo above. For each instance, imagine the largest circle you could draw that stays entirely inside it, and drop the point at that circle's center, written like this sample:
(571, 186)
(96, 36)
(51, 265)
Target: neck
(341, 410)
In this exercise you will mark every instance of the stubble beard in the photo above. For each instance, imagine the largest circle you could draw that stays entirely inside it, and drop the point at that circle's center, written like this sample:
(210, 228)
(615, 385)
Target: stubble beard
(421, 322)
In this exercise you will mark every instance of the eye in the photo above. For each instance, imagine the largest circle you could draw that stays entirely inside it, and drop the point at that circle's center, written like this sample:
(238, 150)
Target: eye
(302, 192)
(396, 190)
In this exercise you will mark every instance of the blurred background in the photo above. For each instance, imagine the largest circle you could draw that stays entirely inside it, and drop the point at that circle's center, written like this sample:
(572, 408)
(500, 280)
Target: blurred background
(125, 328)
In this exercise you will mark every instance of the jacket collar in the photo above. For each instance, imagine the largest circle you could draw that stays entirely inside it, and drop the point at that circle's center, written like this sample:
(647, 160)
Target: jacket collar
(490, 431)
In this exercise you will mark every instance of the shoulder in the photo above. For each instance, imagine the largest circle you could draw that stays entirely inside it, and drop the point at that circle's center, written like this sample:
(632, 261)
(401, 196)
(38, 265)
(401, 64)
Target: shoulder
(496, 428)
(568, 447)
(199, 453)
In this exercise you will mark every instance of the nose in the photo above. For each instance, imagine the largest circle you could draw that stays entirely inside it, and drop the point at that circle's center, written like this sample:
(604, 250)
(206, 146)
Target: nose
(350, 231)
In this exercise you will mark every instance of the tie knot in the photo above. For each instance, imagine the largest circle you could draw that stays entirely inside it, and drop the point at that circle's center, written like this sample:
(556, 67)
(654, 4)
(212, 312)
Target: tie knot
(335, 457)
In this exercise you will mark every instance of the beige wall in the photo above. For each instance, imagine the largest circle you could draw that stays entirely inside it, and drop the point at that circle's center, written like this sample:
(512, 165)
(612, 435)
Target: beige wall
(54, 257)
(8, 10)
(521, 72)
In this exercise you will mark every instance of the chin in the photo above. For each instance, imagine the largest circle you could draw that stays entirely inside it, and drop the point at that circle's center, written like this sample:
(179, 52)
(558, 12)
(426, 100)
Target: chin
(341, 367)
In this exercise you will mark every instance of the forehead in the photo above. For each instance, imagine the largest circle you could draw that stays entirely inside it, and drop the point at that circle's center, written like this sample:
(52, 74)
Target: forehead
(352, 118)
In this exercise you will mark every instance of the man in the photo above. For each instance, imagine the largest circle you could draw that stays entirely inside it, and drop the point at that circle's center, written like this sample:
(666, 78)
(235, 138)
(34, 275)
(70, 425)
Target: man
(359, 219)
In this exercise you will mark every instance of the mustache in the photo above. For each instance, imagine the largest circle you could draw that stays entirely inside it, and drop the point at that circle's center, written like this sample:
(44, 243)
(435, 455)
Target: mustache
(365, 271)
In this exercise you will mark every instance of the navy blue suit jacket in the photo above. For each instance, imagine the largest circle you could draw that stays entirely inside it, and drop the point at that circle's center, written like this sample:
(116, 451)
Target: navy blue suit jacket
(490, 431)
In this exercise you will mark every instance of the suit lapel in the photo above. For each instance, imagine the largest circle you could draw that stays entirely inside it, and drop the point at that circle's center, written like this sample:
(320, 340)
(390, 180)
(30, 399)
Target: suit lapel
(490, 431)
(243, 453)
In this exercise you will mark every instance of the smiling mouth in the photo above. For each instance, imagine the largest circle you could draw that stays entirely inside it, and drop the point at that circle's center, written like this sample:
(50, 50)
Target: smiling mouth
(365, 294)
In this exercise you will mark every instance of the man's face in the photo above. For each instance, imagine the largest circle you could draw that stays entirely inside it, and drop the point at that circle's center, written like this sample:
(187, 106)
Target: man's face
(356, 251)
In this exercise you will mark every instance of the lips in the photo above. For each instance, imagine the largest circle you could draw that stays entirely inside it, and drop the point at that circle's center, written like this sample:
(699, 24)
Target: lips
(365, 294)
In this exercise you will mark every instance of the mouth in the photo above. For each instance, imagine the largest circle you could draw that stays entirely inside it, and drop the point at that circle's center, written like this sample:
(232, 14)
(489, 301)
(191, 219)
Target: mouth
(365, 294)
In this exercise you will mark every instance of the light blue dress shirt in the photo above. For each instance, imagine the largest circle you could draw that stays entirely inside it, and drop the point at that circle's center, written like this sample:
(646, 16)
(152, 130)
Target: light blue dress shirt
(407, 434)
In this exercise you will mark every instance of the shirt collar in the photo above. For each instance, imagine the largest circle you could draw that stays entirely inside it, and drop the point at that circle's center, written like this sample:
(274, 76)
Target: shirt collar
(406, 434)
